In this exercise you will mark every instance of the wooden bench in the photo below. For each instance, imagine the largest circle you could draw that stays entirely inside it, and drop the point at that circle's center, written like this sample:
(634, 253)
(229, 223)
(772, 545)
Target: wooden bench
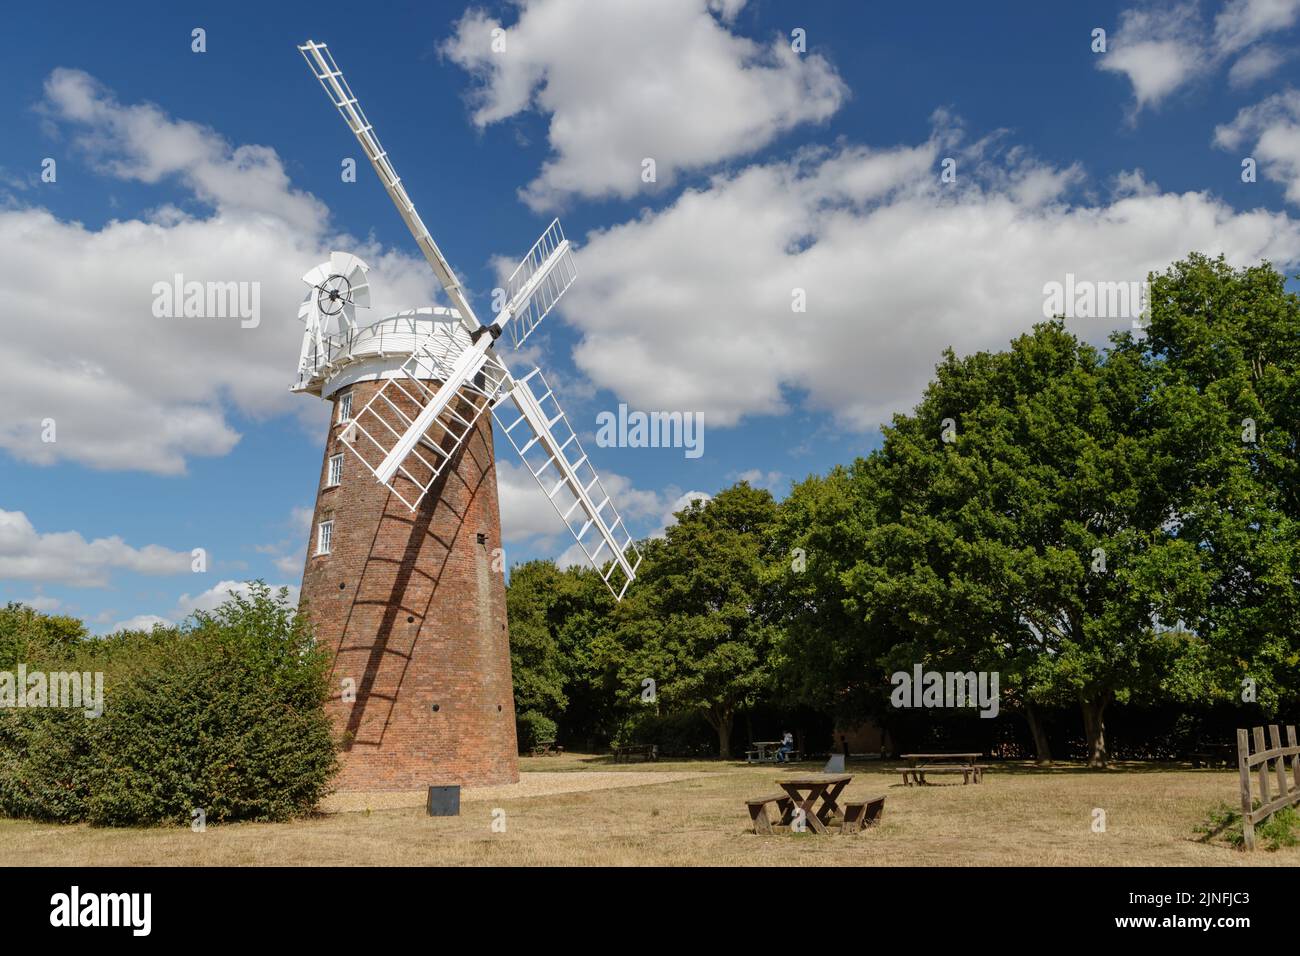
(770, 756)
(860, 814)
(1214, 755)
(758, 810)
(645, 751)
(966, 770)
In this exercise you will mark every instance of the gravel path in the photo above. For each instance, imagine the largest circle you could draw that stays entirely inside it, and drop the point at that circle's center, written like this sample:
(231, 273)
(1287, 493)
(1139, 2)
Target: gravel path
(541, 783)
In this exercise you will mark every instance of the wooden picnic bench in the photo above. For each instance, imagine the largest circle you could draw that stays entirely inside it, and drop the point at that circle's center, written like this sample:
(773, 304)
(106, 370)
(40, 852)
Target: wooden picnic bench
(628, 751)
(1214, 754)
(758, 811)
(546, 748)
(768, 751)
(922, 764)
(817, 795)
(860, 814)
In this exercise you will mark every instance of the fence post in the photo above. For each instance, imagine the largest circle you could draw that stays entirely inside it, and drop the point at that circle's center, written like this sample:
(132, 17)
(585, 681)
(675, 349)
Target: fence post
(1279, 764)
(1247, 808)
(1260, 747)
(1295, 758)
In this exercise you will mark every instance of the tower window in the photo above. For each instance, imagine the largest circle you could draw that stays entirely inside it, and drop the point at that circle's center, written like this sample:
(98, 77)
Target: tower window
(335, 472)
(345, 407)
(325, 536)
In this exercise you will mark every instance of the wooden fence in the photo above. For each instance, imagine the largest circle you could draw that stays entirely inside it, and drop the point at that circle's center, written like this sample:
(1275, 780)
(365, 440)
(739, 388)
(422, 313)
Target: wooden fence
(1287, 786)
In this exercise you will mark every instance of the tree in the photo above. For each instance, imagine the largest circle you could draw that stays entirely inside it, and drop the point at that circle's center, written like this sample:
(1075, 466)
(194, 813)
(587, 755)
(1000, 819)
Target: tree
(699, 620)
(1022, 527)
(1227, 343)
(829, 655)
(535, 664)
(559, 624)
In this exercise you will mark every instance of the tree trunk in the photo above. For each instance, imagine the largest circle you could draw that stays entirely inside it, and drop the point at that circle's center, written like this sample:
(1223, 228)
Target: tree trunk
(724, 736)
(720, 720)
(1042, 746)
(1094, 727)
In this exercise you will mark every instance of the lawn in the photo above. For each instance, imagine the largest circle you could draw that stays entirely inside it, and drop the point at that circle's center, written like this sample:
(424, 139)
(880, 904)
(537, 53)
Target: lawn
(1021, 814)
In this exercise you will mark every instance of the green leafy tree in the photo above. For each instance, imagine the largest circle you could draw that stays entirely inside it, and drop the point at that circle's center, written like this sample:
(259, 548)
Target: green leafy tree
(1227, 344)
(699, 621)
(559, 624)
(534, 652)
(1022, 526)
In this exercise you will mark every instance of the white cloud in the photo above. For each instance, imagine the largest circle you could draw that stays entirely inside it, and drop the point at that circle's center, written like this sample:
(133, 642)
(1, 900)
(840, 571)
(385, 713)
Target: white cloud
(66, 557)
(527, 515)
(758, 478)
(690, 307)
(127, 390)
(1158, 49)
(682, 501)
(218, 594)
(42, 602)
(141, 142)
(1162, 47)
(1270, 131)
(1254, 65)
(141, 622)
(1242, 22)
(289, 554)
(573, 556)
(187, 604)
(622, 82)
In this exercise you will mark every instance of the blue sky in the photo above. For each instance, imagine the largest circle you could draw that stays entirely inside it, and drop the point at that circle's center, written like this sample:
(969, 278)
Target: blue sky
(776, 170)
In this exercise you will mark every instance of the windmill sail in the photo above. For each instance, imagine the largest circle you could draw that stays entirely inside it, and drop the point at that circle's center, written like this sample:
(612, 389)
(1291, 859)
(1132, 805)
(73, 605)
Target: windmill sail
(538, 282)
(549, 447)
(324, 68)
(411, 429)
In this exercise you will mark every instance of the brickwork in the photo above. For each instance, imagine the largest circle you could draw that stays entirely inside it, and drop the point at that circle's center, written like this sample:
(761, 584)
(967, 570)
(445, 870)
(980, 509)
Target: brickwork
(412, 605)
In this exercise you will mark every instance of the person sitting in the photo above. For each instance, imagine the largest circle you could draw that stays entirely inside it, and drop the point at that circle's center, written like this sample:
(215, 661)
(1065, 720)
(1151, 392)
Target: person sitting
(787, 747)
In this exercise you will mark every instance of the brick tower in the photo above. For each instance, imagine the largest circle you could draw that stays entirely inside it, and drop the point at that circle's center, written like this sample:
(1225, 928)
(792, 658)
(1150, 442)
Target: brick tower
(410, 603)
(400, 578)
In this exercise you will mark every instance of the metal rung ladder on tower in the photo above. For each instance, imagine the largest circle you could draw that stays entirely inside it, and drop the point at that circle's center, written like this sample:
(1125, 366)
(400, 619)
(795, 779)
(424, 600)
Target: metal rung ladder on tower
(550, 449)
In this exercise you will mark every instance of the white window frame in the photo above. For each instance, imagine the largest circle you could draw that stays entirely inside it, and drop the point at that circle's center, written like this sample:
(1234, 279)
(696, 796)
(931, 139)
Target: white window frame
(325, 536)
(334, 472)
(345, 407)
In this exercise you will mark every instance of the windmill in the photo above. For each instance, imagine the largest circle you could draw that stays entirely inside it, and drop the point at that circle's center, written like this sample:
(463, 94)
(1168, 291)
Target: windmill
(398, 580)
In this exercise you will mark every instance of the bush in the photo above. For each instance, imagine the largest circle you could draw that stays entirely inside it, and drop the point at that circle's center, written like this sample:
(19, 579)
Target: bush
(224, 714)
(682, 734)
(532, 728)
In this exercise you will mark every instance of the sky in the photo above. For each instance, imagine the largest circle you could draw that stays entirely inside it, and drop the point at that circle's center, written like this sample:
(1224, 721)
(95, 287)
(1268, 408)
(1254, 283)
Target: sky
(782, 214)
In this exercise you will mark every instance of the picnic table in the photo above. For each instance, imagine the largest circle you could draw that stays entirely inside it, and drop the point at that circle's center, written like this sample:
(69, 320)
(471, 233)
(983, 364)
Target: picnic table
(817, 795)
(762, 751)
(546, 748)
(803, 793)
(766, 751)
(1211, 754)
(921, 764)
(628, 751)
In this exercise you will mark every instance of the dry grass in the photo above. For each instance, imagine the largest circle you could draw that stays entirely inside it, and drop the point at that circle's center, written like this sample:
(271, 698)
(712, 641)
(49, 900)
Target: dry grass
(696, 815)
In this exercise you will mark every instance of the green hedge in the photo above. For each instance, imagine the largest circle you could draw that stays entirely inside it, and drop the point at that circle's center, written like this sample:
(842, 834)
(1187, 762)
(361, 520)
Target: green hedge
(532, 727)
(224, 714)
